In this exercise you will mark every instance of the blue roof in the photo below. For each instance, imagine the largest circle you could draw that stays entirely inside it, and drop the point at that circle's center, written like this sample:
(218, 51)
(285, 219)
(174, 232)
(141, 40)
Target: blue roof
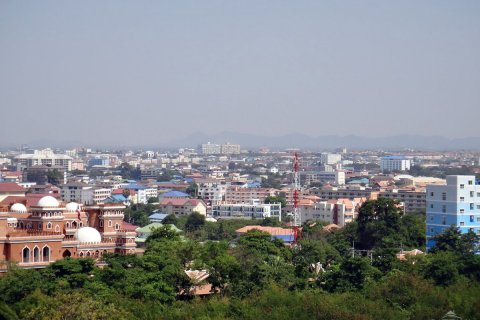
(158, 216)
(175, 194)
(114, 198)
(135, 186)
(395, 158)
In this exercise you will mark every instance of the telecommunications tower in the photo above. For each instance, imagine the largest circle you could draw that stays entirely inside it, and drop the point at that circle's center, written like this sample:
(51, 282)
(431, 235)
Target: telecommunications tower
(297, 221)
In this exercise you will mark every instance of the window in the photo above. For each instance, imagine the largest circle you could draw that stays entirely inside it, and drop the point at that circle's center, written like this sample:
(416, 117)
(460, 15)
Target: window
(117, 226)
(462, 199)
(444, 220)
(431, 206)
(462, 186)
(472, 206)
(472, 194)
(462, 210)
(431, 230)
(444, 208)
(109, 223)
(101, 223)
(470, 182)
(431, 218)
(472, 219)
(444, 196)
(462, 224)
(46, 254)
(49, 225)
(431, 194)
(36, 254)
(26, 255)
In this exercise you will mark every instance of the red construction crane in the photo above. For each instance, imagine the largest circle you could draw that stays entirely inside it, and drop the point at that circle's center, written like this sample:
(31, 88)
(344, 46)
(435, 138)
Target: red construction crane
(297, 221)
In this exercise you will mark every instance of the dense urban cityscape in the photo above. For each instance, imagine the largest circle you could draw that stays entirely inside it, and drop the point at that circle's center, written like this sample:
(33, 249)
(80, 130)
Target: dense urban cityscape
(214, 160)
(101, 204)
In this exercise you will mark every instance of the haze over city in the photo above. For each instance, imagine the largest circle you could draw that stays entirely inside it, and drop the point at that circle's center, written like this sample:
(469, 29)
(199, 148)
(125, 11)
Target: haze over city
(121, 73)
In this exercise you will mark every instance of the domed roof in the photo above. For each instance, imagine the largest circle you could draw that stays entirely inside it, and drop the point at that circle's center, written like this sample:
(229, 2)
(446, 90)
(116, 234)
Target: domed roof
(72, 206)
(18, 207)
(87, 234)
(48, 201)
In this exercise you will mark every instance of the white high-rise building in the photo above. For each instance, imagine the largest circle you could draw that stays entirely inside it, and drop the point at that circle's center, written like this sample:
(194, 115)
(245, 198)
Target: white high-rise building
(44, 157)
(330, 158)
(395, 163)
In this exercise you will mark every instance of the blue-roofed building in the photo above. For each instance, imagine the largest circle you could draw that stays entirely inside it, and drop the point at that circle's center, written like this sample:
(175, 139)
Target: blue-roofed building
(142, 193)
(157, 217)
(175, 194)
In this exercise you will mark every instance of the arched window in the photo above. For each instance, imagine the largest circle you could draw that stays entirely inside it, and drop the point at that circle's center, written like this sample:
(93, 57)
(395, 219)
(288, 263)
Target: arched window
(109, 223)
(74, 225)
(117, 226)
(68, 225)
(26, 255)
(81, 254)
(36, 254)
(57, 228)
(49, 225)
(80, 224)
(39, 226)
(88, 254)
(20, 224)
(97, 254)
(67, 254)
(46, 254)
(101, 223)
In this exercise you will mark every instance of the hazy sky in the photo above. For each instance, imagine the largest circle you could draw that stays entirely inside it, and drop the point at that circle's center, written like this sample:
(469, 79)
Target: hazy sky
(128, 72)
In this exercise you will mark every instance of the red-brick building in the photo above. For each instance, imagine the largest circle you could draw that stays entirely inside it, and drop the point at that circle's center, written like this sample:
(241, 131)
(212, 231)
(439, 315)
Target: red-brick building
(34, 236)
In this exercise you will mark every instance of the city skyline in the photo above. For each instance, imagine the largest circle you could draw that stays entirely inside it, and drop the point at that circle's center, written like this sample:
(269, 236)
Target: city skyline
(118, 73)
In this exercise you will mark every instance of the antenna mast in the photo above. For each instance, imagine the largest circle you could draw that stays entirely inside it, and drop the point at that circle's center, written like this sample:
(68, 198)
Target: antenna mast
(297, 221)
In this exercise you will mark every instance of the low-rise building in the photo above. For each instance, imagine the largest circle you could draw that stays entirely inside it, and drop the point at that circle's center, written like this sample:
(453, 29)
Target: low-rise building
(182, 206)
(247, 211)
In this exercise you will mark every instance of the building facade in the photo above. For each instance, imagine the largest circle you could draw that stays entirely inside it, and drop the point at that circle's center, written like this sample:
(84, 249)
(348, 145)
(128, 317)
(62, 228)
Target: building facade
(394, 163)
(247, 211)
(455, 204)
(49, 231)
(44, 157)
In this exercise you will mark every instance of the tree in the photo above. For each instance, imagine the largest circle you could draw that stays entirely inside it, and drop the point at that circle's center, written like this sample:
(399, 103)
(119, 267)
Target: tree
(451, 239)
(192, 190)
(170, 219)
(377, 220)
(162, 233)
(194, 221)
(276, 199)
(54, 177)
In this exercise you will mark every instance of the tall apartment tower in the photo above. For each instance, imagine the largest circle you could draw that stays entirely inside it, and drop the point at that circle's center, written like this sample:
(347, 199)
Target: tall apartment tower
(455, 204)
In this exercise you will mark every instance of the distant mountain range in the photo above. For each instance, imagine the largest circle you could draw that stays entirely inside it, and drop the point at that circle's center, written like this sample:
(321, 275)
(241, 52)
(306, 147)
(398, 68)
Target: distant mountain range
(293, 140)
(297, 140)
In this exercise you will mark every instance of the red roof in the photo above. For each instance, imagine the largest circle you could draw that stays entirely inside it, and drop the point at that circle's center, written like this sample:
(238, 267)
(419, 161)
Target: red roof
(10, 187)
(129, 227)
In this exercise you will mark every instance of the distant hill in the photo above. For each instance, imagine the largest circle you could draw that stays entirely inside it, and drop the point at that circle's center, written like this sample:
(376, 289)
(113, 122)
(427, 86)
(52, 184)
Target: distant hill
(297, 140)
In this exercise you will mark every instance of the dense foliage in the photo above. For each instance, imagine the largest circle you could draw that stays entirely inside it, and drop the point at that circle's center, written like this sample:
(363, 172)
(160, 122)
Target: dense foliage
(255, 277)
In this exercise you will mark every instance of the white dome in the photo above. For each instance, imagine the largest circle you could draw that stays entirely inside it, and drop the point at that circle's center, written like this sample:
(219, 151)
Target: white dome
(72, 206)
(18, 207)
(87, 234)
(48, 201)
